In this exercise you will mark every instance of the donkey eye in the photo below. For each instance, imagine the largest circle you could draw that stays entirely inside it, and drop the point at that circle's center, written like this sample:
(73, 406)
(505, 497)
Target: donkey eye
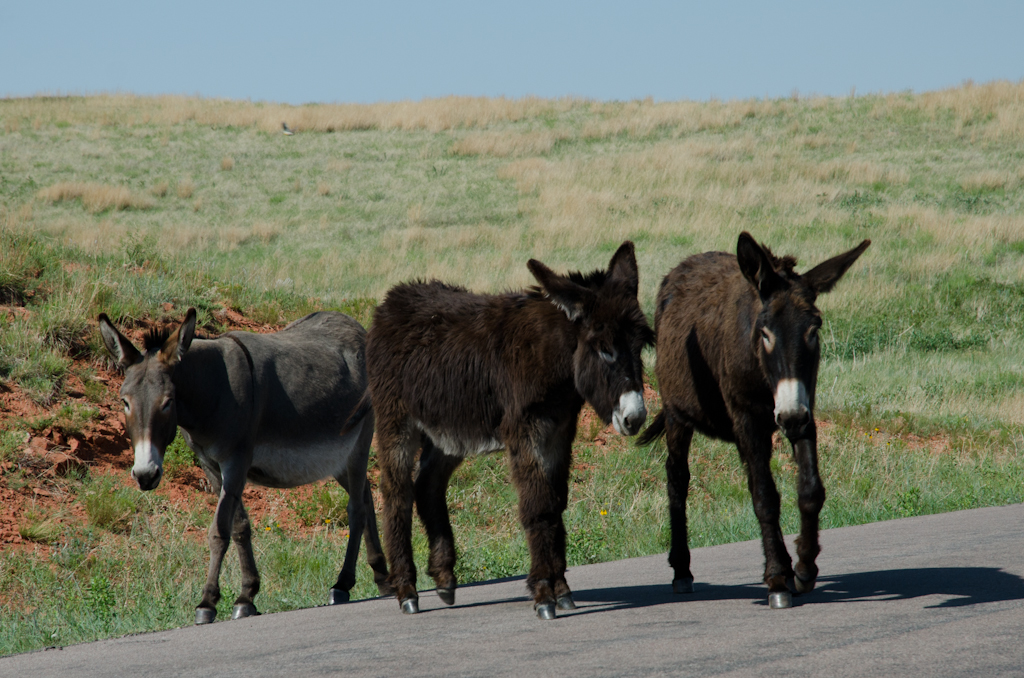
(812, 335)
(166, 407)
(768, 338)
(127, 407)
(608, 357)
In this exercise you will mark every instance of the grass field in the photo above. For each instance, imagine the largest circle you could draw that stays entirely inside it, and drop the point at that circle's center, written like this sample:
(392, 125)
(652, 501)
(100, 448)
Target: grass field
(127, 204)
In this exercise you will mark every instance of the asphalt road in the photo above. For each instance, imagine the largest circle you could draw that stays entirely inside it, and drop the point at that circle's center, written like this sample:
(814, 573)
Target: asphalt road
(937, 595)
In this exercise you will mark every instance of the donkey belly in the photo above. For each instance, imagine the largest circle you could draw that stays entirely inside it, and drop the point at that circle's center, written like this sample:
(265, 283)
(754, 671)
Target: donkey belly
(283, 464)
(462, 446)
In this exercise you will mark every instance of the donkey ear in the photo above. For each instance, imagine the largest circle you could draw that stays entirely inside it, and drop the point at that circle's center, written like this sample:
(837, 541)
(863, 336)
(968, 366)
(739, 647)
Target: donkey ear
(117, 344)
(177, 344)
(573, 299)
(823, 277)
(756, 266)
(623, 266)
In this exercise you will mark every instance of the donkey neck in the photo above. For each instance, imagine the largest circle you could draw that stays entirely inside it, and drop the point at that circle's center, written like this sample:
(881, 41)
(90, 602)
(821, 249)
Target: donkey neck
(203, 385)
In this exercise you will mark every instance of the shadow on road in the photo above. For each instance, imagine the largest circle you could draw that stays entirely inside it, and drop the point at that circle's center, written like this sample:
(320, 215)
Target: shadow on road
(960, 585)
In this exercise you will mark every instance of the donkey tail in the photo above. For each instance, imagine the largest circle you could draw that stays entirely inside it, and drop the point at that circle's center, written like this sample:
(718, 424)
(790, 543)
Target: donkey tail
(358, 413)
(653, 432)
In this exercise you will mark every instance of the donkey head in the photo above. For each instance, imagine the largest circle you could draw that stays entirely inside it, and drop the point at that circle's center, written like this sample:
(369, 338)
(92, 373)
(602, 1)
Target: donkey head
(611, 331)
(785, 334)
(148, 392)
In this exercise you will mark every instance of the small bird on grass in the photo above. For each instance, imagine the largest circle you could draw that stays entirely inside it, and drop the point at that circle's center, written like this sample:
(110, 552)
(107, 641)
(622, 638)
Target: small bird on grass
(286, 130)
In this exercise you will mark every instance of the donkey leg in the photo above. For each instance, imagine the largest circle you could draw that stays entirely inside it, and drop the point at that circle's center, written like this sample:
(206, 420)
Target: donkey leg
(543, 492)
(353, 479)
(810, 499)
(374, 552)
(241, 534)
(218, 537)
(436, 469)
(397, 457)
(677, 469)
(778, 565)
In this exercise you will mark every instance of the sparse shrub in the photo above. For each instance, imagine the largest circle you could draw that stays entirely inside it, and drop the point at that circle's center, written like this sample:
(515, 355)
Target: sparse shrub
(39, 527)
(109, 505)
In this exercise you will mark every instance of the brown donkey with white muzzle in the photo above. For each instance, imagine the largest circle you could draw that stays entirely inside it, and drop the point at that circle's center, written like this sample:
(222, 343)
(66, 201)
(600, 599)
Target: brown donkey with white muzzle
(459, 374)
(738, 359)
(280, 410)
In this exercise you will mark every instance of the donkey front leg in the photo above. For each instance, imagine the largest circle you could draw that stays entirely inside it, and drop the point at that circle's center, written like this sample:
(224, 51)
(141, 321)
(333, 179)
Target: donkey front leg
(810, 499)
(542, 480)
(436, 469)
(397, 457)
(241, 534)
(219, 536)
(778, 566)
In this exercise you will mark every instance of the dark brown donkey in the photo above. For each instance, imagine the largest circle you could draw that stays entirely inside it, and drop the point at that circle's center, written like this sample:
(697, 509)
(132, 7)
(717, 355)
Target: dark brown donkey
(279, 410)
(737, 359)
(459, 374)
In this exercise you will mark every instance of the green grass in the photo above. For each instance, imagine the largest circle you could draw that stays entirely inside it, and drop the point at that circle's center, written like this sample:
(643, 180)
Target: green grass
(921, 385)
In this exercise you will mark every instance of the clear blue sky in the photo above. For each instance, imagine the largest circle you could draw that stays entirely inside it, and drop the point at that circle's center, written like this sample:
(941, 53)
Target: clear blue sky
(383, 50)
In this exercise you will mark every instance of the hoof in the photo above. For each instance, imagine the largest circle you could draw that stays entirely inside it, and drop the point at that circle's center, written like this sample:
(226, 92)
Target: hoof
(205, 615)
(447, 596)
(337, 597)
(779, 600)
(244, 610)
(566, 602)
(684, 585)
(545, 610)
(802, 585)
(410, 605)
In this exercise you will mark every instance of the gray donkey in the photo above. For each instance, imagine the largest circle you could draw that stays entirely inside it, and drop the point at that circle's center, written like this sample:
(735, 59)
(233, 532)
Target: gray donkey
(280, 410)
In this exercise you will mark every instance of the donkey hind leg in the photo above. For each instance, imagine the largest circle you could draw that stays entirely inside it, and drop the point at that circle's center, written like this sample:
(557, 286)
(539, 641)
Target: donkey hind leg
(374, 552)
(229, 486)
(436, 469)
(360, 514)
(543, 491)
(397, 456)
(756, 455)
(241, 534)
(677, 470)
(810, 499)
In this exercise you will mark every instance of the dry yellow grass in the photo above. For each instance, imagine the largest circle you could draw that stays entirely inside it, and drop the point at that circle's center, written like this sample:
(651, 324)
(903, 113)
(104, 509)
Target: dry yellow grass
(434, 115)
(95, 197)
(160, 189)
(506, 144)
(227, 163)
(322, 188)
(185, 188)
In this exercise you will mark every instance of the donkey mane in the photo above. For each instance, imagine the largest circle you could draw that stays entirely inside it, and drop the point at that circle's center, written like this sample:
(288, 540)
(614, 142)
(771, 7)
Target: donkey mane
(784, 264)
(156, 338)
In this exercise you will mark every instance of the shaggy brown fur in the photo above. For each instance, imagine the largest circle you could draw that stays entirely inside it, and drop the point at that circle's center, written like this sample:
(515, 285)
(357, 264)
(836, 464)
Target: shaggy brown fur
(730, 329)
(458, 374)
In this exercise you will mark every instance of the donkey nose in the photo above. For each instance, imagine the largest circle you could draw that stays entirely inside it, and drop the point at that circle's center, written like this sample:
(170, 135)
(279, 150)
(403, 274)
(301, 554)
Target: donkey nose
(793, 422)
(634, 420)
(148, 479)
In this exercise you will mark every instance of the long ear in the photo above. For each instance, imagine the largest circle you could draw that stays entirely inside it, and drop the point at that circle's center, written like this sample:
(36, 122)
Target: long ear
(574, 300)
(117, 344)
(823, 277)
(756, 266)
(623, 266)
(177, 344)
